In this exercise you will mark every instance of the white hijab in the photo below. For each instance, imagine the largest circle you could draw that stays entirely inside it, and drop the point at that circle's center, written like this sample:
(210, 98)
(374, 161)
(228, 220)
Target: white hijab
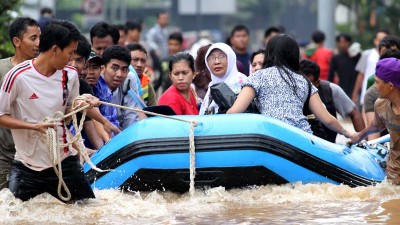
(233, 78)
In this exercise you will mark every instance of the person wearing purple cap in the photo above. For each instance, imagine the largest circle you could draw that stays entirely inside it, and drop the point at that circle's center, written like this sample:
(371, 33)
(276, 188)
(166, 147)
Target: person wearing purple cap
(387, 113)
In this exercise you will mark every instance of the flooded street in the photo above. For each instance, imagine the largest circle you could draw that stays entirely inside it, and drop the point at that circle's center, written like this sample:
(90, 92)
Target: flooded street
(287, 204)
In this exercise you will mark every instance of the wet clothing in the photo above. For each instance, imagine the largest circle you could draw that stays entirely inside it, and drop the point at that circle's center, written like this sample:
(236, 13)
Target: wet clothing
(275, 98)
(26, 183)
(102, 92)
(172, 98)
(7, 146)
(385, 117)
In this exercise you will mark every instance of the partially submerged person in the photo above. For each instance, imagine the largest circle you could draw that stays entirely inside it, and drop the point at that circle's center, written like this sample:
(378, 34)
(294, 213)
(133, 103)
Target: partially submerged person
(282, 92)
(180, 95)
(24, 34)
(387, 111)
(32, 91)
(221, 62)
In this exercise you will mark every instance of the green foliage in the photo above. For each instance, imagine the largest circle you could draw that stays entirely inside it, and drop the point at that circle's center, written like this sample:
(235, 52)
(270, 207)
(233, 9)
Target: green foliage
(371, 15)
(7, 7)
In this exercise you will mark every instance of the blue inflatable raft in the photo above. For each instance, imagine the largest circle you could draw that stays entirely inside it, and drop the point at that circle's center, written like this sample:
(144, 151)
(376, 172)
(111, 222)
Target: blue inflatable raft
(233, 151)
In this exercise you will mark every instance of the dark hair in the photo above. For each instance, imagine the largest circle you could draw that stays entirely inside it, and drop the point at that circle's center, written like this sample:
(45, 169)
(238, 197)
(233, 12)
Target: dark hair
(60, 33)
(391, 53)
(136, 47)
(46, 10)
(133, 25)
(389, 41)
(103, 29)
(116, 52)
(381, 31)
(84, 48)
(253, 54)
(271, 30)
(19, 26)
(283, 52)
(121, 27)
(318, 36)
(203, 76)
(181, 56)
(176, 36)
(345, 36)
(161, 12)
(238, 28)
(308, 67)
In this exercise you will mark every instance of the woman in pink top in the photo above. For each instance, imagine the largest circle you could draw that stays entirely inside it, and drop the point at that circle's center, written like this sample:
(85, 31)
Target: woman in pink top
(180, 96)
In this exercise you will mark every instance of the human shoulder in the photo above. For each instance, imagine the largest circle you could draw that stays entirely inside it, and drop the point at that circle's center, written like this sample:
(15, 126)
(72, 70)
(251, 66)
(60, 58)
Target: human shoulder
(381, 103)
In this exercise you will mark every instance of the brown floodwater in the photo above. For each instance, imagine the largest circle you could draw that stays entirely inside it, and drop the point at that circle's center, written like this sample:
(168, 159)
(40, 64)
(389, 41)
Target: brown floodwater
(286, 204)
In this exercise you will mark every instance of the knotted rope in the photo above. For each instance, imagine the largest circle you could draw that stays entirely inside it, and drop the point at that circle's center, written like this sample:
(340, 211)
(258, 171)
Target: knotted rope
(55, 146)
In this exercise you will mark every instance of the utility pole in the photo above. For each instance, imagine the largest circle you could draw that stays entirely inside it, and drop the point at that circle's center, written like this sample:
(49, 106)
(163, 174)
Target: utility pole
(326, 20)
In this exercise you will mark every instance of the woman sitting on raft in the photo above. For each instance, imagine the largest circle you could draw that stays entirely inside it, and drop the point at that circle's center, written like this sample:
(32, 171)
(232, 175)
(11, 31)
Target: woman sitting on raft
(221, 62)
(180, 95)
(281, 91)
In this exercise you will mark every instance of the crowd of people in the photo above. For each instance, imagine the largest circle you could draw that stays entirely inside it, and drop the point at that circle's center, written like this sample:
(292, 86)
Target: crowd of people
(303, 86)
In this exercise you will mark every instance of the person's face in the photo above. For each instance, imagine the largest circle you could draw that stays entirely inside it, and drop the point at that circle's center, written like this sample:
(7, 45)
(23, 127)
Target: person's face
(61, 57)
(163, 20)
(100, 44)
(379, 37)
(240, 39)
(174, 46)
(122, 37)
(115, 73)
(343, 45)
(138, 61)
(257, 63)
(78, 62)
(181, 76)
(383, 88)
(218, 62)
(133, 36)
(271, 35)
(92, 72)
(28, 44)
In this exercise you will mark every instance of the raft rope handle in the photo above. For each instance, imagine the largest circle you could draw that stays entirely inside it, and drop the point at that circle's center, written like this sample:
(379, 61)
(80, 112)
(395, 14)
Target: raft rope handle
(54, 145)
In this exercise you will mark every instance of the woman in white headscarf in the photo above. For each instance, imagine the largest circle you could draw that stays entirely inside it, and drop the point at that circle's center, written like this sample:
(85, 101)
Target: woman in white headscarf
(221, 62)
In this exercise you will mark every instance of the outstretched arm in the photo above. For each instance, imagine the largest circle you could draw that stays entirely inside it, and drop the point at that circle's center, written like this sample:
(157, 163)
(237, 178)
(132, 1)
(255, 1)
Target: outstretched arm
(247, 94)
(319, 110)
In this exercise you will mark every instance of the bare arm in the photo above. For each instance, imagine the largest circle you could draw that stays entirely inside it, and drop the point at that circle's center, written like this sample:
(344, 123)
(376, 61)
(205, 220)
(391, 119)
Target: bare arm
(10, 122)
(92, 134)
(357, 120)
(247, 94)
(371, 128)
(370, 117)
(320, 112)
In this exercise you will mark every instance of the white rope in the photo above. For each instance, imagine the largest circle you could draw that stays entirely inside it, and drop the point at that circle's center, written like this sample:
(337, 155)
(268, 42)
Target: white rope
(55, 146)
(192, 151)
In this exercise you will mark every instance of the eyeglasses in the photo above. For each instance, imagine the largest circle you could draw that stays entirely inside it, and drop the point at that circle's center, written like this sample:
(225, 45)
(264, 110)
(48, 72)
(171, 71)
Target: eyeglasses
(212, 58)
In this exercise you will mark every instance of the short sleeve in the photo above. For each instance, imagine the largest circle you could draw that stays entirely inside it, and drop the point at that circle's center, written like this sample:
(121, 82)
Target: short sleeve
(7, 96)
(369, 99)
(343, 104)
(253, 81)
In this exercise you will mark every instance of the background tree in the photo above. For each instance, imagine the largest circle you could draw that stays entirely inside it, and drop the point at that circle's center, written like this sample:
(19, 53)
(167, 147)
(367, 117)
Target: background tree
(8, 10)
